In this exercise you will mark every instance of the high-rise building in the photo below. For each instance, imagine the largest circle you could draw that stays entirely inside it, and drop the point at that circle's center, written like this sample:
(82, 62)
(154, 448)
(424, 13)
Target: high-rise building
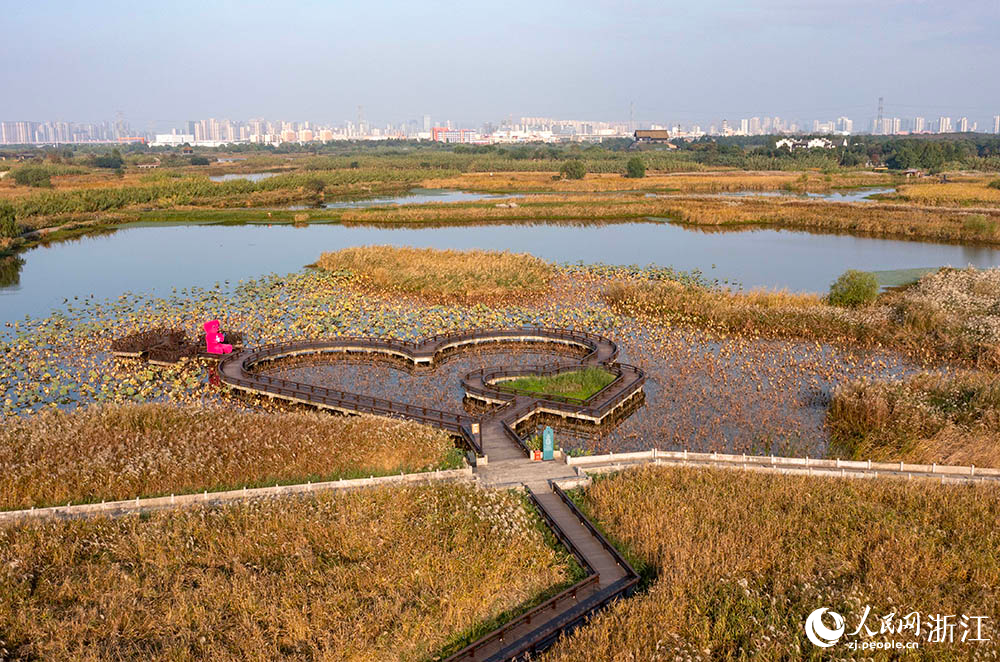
(919, 124)
(427, 123)
(996, 124)
(744, 126)
(944, 124)
(755, 126)
(963, 124)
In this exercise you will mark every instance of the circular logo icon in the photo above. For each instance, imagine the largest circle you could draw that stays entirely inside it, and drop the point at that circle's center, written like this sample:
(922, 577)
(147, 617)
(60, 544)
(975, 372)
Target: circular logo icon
(821, 635)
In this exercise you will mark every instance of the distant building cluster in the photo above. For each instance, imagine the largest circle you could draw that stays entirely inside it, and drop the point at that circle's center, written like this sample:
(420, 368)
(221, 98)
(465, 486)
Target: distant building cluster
(28, 132)
(896, 126)
(215, 132)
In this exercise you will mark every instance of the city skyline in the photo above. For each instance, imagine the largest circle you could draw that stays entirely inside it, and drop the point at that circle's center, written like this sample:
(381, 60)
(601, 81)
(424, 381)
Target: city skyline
(217, 131)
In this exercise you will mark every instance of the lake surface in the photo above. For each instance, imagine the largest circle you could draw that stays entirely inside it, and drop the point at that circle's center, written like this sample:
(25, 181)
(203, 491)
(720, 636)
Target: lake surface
(412, 197)
(250, 176)
(846, 195)
(161, 257)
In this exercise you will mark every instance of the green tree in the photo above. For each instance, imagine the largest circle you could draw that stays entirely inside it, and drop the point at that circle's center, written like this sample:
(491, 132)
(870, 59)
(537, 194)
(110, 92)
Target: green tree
(36, 176)
(574, 169)
(199, 160)
(853, 288)
(635, 168)
(113, 160)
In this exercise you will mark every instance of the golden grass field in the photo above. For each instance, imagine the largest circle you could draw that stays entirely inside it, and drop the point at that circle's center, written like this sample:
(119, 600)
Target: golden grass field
(891, 219)
(737, 561)
(126, 451)
(444, 275)
(375, 576)
(707, 182)
(974, 192)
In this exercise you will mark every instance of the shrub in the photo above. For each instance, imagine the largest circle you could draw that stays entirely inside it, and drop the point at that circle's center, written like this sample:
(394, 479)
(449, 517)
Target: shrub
(635, 168)
(113, 160)
(36, 176)
(995, 183)
(8, 225)
(980, 225)
(853, 288)
(314, 185)
(574, 169)
(199, 160)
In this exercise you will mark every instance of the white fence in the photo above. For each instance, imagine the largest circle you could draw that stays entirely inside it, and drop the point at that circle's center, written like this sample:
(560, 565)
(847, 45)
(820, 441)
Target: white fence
(796, 465)
(215, 498)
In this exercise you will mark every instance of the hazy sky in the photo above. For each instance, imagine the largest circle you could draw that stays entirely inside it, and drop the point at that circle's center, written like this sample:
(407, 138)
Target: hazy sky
(475, 61)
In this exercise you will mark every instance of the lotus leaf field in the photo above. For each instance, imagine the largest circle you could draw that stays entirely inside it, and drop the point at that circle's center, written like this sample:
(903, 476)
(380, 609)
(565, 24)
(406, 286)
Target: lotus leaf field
(708, 389)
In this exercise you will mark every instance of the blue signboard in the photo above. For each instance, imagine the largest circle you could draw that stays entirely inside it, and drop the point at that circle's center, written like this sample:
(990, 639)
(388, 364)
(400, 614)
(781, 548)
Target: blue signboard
(548, 443)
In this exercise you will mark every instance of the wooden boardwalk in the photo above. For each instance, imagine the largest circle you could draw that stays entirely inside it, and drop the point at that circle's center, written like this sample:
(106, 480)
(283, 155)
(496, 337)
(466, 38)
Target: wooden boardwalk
(491, 437)
(609, 577)
(498, 448)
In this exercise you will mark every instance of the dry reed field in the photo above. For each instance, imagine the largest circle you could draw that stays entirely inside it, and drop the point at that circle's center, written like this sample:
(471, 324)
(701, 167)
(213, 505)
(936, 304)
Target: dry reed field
(443, 275)
(948, 315)
(975, 192)
(864, 218)
(706, 182)
(931, 417)
(376, 575)
(738, 561)
(117, 452)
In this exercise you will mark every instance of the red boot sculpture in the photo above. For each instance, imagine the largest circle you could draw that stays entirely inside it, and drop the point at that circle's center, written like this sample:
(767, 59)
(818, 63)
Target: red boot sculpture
(213, 339)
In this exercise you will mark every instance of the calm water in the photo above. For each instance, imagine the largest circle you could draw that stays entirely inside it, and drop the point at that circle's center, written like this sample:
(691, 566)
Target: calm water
(847, 195)
(412, 197)
(159, 258)
(251, 176)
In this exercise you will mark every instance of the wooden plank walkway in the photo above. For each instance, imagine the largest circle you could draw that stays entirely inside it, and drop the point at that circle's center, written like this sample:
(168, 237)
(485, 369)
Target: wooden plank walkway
(609, 577)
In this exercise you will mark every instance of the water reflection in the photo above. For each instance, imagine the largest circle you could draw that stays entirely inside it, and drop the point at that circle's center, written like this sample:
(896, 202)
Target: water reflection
(10, 271)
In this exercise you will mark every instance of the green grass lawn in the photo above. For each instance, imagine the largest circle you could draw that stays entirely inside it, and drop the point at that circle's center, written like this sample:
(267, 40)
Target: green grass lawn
(578, 384)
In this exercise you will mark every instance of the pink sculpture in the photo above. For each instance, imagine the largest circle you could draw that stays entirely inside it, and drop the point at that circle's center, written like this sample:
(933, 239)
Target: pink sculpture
(213, 339)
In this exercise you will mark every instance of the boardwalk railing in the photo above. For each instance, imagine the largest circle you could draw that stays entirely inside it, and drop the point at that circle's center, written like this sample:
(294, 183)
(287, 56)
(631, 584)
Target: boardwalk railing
(237, 370)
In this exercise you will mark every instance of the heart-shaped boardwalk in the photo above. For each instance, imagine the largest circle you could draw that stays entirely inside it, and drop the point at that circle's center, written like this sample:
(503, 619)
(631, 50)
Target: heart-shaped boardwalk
(492, 436)
(501, 456)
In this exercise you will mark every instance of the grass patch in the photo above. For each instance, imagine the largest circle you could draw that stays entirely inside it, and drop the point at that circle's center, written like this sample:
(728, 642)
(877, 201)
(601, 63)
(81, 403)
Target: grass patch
(576, 384)
(444, 275)
(381, 574)
(741, 559)
(943, 418)
(708, 182)
(981, 225)
(862, 218)
(122, 452)
(963, 193)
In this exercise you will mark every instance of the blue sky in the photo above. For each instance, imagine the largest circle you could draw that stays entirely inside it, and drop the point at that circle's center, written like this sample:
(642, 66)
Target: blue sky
(477, 61)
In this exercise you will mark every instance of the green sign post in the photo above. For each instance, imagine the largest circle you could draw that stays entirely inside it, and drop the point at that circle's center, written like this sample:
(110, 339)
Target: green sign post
(548, 444)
